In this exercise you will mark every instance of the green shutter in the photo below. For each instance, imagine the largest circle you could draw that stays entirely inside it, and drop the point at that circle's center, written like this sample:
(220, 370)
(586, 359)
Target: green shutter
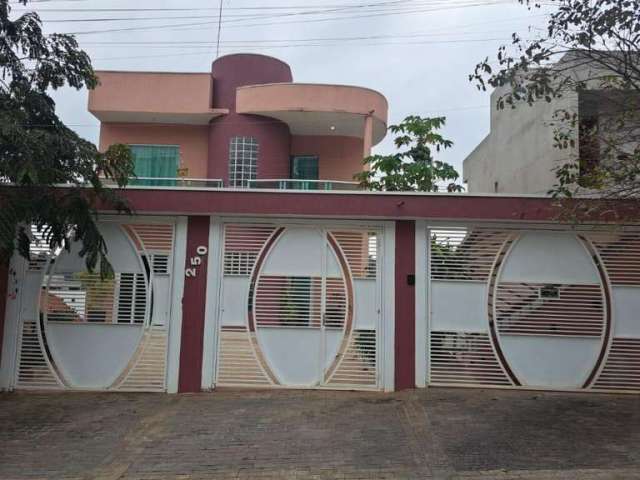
(155, 161)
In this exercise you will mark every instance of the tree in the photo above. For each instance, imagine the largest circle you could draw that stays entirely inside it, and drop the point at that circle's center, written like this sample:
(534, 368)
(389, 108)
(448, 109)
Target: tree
(589, 50)
(413, 168)
(38, 153)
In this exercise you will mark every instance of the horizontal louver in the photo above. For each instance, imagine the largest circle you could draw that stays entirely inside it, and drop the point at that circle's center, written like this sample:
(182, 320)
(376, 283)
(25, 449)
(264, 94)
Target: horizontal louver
(622, 368)
(361, 251)
(242, 244)
(464, 359)
(288, 301)
(464, 254)
(358, 366)
(620, 253)
(549, 309)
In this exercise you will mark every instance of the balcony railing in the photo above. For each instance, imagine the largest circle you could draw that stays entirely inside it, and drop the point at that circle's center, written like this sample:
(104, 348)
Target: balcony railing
(179, 182)
(268, 184)
(292, 184)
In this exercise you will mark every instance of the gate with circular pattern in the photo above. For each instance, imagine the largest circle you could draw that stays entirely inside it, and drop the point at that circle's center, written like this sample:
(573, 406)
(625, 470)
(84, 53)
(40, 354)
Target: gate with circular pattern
(538, 308)
(299, 307)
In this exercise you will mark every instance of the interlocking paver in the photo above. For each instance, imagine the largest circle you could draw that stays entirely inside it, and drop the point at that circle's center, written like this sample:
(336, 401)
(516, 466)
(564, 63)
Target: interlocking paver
(435, 433)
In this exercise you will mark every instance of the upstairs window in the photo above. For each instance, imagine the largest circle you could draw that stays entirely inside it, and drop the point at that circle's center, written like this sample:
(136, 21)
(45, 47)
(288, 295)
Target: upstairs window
(243, 161)
(155, 161)
(304, 167)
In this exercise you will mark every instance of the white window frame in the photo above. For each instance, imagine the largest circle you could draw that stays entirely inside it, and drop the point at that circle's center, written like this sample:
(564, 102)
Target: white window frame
(243, 161)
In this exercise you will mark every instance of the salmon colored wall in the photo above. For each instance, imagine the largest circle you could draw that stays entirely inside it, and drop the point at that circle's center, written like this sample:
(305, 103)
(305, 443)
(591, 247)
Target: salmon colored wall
(340, 157)
(192, 139)
(151, 92)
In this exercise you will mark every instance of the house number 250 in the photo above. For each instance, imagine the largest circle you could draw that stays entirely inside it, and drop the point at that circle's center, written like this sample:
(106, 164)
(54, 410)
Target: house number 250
(195, 262)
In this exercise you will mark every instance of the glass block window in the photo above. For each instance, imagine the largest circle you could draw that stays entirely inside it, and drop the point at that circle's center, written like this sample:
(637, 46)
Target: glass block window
(243, 161)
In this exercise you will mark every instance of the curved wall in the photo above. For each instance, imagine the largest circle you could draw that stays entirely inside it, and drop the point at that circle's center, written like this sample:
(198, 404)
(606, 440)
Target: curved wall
(229, 73)
(233, 71)
(273, 138)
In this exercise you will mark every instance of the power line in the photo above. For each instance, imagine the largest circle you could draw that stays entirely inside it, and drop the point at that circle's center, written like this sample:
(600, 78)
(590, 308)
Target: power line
(389, 4)
(340, 45)
(192, 24)
(432, 33)
(261, 7)
(260, 41)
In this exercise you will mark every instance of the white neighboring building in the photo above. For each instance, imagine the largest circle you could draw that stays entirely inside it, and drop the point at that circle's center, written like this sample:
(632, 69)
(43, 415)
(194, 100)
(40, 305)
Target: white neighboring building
(518, 154)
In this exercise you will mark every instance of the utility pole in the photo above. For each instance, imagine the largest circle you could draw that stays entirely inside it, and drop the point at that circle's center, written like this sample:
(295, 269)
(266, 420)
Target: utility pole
(219, 29)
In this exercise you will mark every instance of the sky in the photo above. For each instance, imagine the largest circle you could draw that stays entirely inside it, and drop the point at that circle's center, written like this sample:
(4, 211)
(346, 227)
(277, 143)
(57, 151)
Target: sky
(417, 53)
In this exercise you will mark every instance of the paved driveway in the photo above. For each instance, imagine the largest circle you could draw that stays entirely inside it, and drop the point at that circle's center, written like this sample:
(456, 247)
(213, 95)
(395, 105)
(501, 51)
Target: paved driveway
(439, 433)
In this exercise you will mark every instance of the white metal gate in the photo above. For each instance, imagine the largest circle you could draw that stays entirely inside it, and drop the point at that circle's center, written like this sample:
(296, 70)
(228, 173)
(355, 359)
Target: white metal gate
(299, 306)
(533, 308)
(80, 331)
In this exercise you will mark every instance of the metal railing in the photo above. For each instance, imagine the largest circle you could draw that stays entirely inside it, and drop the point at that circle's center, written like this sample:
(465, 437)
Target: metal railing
(179, 182)
(294, 184)
(262, 184)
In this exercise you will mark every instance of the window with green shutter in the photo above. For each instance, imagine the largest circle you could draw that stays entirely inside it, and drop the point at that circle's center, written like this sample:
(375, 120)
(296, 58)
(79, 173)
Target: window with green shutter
(155, 161)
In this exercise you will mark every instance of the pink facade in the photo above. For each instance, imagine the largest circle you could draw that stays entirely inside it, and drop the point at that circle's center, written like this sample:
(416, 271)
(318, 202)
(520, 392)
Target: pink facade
(341, 156)
(193, 141)
(247, 97)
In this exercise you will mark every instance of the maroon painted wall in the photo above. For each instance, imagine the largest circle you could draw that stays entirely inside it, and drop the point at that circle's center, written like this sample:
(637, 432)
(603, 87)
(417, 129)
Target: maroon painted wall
(405, 301)
(233, 71)
(370, 205)
(193, 309)
(229, 73)
(273, 138)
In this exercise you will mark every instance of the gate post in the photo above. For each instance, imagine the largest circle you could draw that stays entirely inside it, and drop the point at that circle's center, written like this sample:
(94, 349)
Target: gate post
(193, 304)
(405, 313)
(4, 278)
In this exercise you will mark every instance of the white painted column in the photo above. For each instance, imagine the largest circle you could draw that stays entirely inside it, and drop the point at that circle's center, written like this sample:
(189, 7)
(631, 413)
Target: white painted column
(11, 334)
(368, 135)
(212, 307)
(422, 302)
(175, 323)
(388, 324)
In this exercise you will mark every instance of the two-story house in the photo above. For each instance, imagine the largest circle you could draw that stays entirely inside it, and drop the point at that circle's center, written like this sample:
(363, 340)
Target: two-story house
(245, 123)
(252, 261)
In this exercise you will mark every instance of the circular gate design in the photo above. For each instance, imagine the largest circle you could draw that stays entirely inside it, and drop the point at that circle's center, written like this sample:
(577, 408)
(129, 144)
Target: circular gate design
(549, 310)
(300, 306)
(93, 325)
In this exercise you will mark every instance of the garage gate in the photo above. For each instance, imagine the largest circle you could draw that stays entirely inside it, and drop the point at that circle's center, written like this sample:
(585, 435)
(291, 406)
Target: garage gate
(533, 308)
(78, 330)
(299, 306)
